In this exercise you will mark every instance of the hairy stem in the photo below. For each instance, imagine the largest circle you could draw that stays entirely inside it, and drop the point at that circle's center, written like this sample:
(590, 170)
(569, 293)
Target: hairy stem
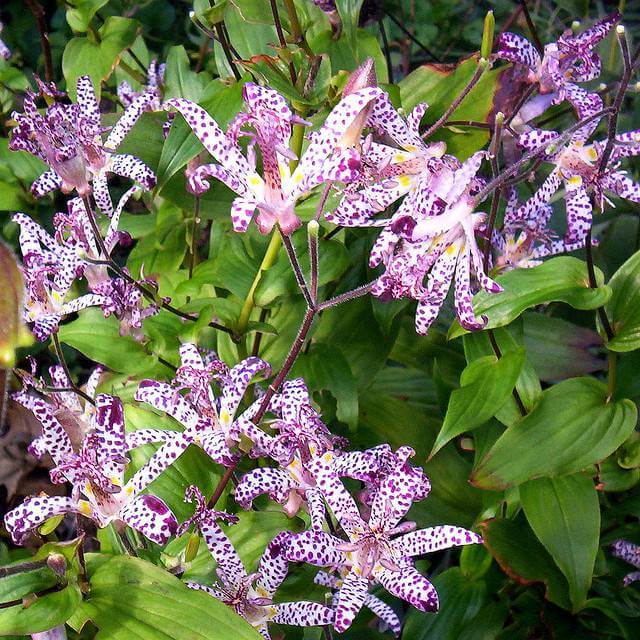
(281, 38)
(480, 69)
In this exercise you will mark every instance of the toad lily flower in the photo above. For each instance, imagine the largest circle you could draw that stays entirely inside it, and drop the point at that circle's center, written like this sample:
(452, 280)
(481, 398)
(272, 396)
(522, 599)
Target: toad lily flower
(525, 237)
(373, 553)
(209, 422)
(436, 242)
(301, 437)
(72, 412)
(251, 595)
(569, 60)
(49, 270)
(388, 617)
(389, 172)
(576, 167)
(95, 471)
(155, 76)
(329, 155)
(630, 553)
(68, 137)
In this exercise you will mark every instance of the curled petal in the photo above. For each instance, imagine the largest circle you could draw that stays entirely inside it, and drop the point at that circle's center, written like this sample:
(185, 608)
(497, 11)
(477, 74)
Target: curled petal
(411, 586)
(151, 517)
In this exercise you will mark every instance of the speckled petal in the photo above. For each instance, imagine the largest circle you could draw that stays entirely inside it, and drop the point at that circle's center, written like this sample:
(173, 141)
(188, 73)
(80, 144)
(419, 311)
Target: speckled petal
(274, 565)
(274, 482)
(351, 597)
(151, 517)
(411, 586)
(303, 614)
(515, 48)
(33, 512)
(315, 547)
(417, 543)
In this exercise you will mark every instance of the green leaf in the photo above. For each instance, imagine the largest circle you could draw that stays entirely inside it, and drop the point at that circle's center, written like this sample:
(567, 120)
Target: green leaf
(524, 559)
(325, 367)
(46, 612)
(99, 339)
(486, 385)
(132, 598)
(571, 427)
(461, 600)
(437, 85)
(559, 349)
(623, 308)
(565, 516)
(349, 12)
(85, 56)
(81, 12)
(508, 339)
(562, 279)
(179, 80)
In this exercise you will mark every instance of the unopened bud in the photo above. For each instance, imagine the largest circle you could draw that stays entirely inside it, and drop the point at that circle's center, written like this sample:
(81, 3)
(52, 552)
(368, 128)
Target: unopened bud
(637, 86)
(499, 117)
(191, 550)
(57, 563)
(620, 30)
(483, 62)
(575, 26)
(12, 331)
(364, 76)
(50, 525)
(487, 35)
(602, 86)
(313, 228)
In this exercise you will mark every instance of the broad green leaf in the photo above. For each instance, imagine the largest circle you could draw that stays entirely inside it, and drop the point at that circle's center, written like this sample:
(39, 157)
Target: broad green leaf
(516, 549)
(249, 38)
(193, 467)
(461, 600)
(86, 56)
(437, 85)
(486, 385)
(508, 339)
(559, 349)
(179, 80)
(132, 598)
(81, 12)
(562, 279)
(565, 516)
(349, 12)
(44, 613)
(623, 308)
(324, 367)
(571, 427)
(99, 339)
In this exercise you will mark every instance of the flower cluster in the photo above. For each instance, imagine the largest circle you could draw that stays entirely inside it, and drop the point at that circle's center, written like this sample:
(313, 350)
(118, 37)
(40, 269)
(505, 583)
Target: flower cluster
(68, 137)
(434, 235)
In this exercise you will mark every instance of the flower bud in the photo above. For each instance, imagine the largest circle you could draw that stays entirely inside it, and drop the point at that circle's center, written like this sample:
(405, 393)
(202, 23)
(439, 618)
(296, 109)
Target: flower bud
(364, 76)
(487, 35)
(57, 563)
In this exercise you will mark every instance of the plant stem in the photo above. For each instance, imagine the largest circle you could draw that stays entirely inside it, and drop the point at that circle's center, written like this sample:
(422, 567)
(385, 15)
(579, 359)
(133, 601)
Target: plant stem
(268, 261)
(494, 149)
(612, 359)
(629, 65)
(297, 269)
(385, 47)
(411, 36)
(480, 69)
(345, 297)
(38, 13)
(498, 353)
(602, 314)
(281, 38)
(194, 231)
(65, 368)
(532, 27)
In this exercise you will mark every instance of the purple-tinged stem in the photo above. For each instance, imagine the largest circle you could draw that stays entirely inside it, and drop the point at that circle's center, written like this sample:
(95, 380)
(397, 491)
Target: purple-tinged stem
(297, 269)
(345, 297)
(38, 13)
(480, 69)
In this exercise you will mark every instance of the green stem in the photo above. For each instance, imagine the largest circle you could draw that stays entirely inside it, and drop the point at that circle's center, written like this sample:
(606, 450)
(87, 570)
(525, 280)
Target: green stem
(612, 374)
(270, 256)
